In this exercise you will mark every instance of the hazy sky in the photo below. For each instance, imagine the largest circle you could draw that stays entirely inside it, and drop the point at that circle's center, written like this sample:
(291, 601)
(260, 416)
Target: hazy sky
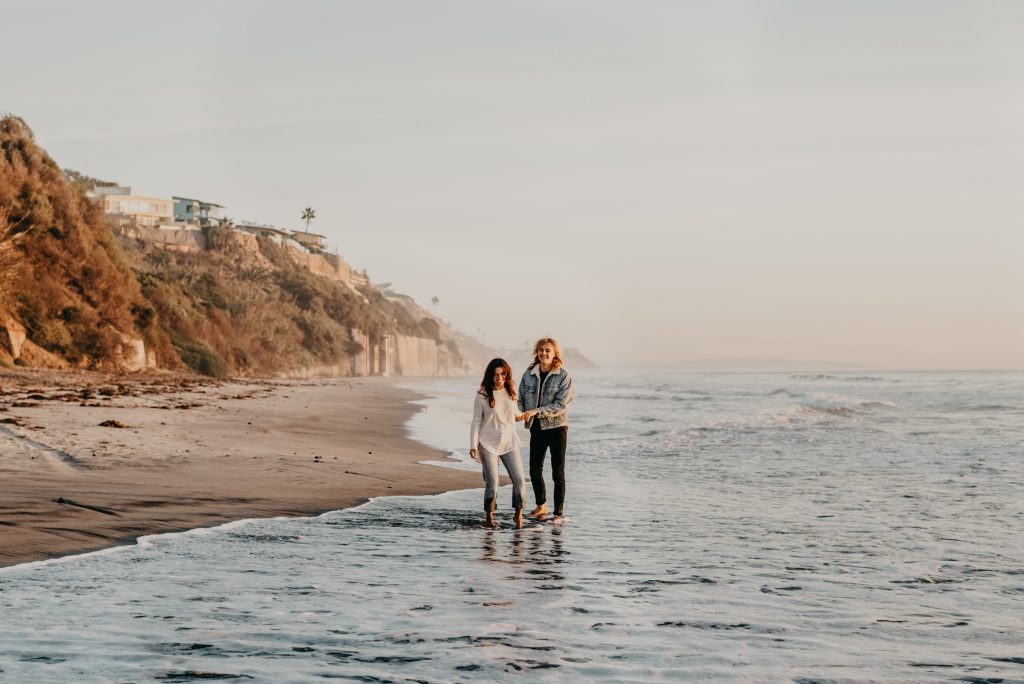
(647, 181)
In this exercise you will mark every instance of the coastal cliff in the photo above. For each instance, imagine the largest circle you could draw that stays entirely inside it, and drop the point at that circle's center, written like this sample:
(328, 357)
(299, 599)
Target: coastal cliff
(75, 293)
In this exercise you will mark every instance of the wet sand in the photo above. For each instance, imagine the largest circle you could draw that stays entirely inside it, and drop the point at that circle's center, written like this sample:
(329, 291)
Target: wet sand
(194, 453)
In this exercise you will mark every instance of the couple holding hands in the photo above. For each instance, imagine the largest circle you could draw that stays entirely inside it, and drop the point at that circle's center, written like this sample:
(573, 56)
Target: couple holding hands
(542, 401)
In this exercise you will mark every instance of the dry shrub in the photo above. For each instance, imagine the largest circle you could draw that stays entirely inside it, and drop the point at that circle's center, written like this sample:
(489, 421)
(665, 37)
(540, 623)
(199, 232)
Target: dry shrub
(73, 291)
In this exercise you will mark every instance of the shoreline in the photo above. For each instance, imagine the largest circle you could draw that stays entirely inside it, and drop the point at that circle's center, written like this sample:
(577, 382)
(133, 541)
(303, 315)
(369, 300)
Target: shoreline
(195, 453)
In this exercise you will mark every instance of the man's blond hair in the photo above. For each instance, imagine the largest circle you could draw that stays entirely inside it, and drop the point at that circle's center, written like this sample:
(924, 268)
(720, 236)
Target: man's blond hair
(557, 363)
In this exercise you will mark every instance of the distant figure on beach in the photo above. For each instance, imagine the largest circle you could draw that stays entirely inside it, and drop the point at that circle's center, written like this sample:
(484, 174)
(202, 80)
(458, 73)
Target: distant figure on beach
(493, 436)
(544, 395)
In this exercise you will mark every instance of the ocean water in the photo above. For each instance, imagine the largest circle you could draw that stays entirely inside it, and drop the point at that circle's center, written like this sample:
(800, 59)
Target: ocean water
(756, 528)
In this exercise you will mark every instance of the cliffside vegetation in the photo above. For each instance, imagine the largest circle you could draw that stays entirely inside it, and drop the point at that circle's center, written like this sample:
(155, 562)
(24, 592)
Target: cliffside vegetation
(62, 275)
(237, 310)
(241, 307)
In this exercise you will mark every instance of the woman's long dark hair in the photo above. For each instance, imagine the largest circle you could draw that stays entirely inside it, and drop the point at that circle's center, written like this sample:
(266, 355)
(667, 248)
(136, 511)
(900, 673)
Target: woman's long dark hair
(487, 386)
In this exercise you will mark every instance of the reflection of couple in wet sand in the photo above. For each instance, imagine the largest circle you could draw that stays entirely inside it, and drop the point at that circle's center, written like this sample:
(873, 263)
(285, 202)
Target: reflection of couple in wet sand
(542, 402)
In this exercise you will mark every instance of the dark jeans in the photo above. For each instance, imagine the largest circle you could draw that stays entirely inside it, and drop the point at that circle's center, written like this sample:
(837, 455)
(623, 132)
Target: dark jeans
(540, 441)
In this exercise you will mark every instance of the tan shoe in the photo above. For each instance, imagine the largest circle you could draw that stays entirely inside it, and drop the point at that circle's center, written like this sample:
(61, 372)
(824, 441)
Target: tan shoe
(540, 511)
(517, 518)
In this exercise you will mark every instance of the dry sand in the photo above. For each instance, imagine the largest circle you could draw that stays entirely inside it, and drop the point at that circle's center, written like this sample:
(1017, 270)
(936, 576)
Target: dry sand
(193, 454)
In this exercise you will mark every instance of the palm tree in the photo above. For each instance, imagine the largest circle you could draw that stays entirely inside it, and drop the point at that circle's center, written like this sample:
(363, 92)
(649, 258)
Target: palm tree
(307, 216)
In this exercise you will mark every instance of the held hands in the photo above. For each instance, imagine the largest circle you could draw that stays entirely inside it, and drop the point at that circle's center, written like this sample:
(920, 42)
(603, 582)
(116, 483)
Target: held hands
(528, 415)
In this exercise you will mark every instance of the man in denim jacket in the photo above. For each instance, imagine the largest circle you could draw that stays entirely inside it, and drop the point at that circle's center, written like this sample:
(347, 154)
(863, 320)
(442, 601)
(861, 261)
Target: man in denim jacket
(544, 395)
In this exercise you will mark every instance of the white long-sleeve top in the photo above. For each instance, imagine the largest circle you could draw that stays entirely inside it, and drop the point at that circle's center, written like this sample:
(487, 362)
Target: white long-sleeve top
(494, 429)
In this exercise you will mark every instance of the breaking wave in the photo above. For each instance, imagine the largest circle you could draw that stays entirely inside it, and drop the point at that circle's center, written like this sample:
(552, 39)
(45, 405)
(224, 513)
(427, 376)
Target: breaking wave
(836, 404)
(843, 378)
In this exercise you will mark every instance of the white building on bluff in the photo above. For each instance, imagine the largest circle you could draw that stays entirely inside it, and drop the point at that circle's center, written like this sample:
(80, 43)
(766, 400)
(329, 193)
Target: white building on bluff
(123, 207)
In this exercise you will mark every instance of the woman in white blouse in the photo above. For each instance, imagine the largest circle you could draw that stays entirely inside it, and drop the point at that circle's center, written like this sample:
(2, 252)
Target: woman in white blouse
(493, 436)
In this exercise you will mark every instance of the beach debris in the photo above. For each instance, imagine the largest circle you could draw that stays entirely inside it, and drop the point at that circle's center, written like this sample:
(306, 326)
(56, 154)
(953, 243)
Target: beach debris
(192, 675)
(98, 509)
(11, 421)
(112, 423)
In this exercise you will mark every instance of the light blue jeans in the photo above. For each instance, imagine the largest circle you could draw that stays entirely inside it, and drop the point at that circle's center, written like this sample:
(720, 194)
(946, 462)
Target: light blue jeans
(514, 468)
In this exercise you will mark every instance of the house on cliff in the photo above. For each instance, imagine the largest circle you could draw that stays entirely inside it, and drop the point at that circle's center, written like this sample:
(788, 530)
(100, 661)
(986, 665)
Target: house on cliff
(123, 207)
(311, 241)
(278, 235)
(198, 212)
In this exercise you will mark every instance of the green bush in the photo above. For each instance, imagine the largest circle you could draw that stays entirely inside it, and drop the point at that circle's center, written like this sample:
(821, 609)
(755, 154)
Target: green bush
(201, 358)
(429, 328)
(323, 337)
(52, 335)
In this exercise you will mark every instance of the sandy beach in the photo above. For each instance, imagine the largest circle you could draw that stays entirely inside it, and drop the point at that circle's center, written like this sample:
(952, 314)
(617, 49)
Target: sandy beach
(193, 453)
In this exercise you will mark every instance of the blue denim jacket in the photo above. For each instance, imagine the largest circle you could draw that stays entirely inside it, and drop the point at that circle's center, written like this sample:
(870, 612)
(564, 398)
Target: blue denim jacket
(551, 400)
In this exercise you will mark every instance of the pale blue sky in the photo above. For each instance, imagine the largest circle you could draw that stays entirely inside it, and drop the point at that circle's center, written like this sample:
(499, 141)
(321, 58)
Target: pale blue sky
(821, 181)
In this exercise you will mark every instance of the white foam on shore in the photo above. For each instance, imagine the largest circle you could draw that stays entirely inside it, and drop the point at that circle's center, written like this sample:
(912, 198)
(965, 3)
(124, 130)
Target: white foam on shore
(148, 540)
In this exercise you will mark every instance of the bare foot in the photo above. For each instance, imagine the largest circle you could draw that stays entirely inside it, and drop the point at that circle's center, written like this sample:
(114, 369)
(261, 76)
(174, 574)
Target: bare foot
(517, 518)
(540, 511)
